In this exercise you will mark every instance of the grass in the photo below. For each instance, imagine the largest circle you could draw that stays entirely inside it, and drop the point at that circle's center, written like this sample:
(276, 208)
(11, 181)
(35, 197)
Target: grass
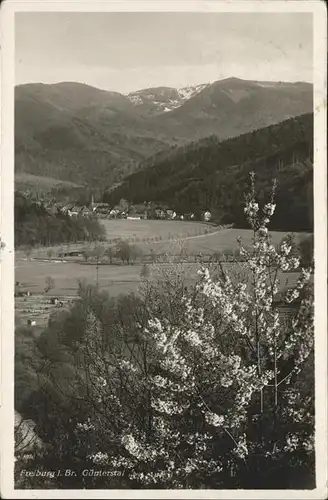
(162, 236)
(141, 232)
(32, 274)
(114, 279)
(119, 279)
(124, 228)
(219, 241)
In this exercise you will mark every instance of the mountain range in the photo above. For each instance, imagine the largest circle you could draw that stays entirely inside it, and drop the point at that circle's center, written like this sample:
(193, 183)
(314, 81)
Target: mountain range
(74, 132)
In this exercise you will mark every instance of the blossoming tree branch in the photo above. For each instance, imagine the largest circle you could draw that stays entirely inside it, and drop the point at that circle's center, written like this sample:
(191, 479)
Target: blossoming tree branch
(209, 397)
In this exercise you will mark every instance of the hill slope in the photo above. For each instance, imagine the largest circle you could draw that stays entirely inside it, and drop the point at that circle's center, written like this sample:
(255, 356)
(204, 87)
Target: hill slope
(78, 133)
(213, 175)
(233, 106)
(74, 132)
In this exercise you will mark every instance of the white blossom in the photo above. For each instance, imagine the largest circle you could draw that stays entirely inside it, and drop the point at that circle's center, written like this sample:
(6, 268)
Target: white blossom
(200, 374)
(214, 419)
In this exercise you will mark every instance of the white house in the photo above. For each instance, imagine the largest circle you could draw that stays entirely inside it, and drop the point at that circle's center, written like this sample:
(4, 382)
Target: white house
(75, 211)
(207, 216)
(114, 212)
(67, 208)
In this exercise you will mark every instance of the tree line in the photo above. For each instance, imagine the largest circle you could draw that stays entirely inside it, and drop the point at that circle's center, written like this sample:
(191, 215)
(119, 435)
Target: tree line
(35, 226)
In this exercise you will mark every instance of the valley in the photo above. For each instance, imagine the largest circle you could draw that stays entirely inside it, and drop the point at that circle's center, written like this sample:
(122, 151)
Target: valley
(146, 150)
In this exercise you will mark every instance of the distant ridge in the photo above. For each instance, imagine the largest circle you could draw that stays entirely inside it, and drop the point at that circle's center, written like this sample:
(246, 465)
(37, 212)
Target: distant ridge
(74, 132)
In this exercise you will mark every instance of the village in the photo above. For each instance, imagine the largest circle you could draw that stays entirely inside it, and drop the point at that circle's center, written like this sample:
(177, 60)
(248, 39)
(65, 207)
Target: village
(148, 210)
(130, 212)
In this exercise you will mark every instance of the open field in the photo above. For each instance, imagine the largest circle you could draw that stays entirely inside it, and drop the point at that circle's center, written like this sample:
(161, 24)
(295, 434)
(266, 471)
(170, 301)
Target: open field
(119, 279)
(217, 241)
(162, 236)
(137, 231)
(32, 274)
(125, 228)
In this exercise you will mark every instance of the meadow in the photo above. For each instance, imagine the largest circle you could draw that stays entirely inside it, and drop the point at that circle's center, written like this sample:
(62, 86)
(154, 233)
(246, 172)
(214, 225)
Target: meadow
(120, 279)
(141, 232)
(141, 229)
(217, 241)
(165, 236)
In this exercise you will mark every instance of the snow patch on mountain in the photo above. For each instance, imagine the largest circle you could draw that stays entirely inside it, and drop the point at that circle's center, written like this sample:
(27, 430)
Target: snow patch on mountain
(164, 99)
(191, 90)
(135, 99)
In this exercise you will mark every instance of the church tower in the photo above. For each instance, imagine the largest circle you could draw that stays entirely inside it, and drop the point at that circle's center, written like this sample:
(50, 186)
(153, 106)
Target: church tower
(92, 203)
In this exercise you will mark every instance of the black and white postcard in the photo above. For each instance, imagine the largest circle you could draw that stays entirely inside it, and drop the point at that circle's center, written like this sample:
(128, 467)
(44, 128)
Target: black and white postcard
(163, 249)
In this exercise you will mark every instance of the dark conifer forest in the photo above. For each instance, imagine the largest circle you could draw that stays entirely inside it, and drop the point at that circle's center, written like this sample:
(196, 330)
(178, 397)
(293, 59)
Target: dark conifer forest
(213, 175)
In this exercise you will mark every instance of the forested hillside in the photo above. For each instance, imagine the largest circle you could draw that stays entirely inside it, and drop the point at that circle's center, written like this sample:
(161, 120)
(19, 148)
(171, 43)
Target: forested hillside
(212, 175)
(34, 225)
(78, 133)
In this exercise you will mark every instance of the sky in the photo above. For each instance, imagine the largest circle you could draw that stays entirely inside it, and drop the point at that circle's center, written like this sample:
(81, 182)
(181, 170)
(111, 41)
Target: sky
(124, 52)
